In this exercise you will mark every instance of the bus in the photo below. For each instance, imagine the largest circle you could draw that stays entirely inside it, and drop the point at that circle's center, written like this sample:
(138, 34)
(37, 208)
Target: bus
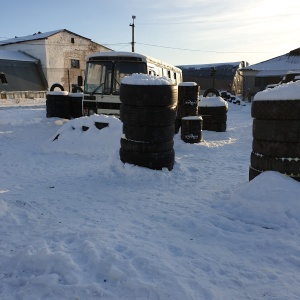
(104, 74)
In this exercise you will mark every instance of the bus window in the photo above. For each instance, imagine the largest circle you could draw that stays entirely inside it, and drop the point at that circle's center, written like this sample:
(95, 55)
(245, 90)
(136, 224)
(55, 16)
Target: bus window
(122, 69)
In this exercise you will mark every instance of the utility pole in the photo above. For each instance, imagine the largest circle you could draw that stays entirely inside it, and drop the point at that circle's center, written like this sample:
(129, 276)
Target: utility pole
(132, 25)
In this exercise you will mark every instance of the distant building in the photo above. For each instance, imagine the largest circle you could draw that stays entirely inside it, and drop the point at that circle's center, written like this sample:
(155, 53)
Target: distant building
(224, 77)
(61, 55)
(258, 76)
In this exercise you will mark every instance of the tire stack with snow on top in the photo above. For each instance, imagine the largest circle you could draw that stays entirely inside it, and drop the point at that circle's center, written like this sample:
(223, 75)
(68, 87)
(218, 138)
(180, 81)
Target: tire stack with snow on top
(187, 113)
(57, 102)
(276, 131)
(213, 111)
(188, 98)
(148, 111)
(191, 129)
(76, 102)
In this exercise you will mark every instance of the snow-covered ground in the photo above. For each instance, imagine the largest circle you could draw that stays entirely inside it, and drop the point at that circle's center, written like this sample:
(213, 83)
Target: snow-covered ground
(78, 224)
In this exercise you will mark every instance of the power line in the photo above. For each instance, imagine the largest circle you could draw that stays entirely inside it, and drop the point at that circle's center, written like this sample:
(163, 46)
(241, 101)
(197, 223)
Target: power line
(235, 19)
(151, 45)
(197, 50)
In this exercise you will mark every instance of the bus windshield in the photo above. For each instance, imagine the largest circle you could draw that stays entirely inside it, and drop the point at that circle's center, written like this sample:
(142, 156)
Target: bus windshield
(98, 77)
(104, 77)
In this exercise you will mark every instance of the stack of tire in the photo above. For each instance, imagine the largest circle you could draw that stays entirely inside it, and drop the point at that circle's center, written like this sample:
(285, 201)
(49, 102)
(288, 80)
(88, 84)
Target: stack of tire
(213, 111)
(57, 102)
(76, 98)
(276, 137)
(148, 114)
(191, 129)
(188, 98)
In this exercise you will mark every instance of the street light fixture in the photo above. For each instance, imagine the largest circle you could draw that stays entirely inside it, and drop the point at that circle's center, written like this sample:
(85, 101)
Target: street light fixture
(132, 25)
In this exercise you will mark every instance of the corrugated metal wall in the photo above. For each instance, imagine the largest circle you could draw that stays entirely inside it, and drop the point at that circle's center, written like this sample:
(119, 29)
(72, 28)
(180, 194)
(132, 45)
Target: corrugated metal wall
(21, 76)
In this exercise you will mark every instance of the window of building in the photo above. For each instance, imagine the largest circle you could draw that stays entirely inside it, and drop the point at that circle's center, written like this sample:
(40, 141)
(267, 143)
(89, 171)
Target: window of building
(3, 78)
(72, 40)
(75, 63)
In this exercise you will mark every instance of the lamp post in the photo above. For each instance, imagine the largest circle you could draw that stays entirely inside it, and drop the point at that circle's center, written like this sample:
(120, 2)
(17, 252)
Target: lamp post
(132, 26)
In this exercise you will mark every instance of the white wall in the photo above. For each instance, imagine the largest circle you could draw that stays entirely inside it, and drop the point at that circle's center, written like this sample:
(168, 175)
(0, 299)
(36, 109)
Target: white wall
(55, 54)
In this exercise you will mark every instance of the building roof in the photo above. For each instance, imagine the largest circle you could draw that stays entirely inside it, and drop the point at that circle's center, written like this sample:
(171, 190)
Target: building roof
(16, 56)
(277, 66)
(36, 36)
(227, 65)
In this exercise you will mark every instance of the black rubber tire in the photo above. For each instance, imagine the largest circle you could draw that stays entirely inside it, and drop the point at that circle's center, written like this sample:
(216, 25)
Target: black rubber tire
(148, 133)
(276, 149)
(56, 85)
(149, 95)
(154, 161)
(218, 127)
(57, 106)
(212, 110)
(211, 91)
(188, 95)
(276, 109)
(77, 89)
(187, 110)
(284, 166)
(147, 116)
(142, 147)
(210, 119)
(253, 173)
(276, 130)
(177, 124)
(191, 130)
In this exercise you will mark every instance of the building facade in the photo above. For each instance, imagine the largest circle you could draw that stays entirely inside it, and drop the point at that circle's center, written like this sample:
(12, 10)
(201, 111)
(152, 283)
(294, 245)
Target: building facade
(220, 76)
(272, 71)
(61, 53)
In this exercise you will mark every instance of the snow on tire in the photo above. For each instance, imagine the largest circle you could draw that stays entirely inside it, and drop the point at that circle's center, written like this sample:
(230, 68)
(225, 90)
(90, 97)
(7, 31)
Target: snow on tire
(148, 95)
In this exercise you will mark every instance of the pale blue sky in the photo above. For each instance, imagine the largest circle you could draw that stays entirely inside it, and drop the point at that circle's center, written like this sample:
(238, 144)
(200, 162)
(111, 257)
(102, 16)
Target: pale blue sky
(177, 31)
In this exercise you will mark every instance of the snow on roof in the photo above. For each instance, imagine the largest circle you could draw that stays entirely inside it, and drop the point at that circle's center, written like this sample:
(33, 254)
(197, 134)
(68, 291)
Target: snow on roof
(35, 36)
(15, 55)
(277, 66)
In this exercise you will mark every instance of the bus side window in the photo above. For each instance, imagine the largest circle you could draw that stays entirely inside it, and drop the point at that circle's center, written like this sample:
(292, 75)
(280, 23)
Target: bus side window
(152, 72)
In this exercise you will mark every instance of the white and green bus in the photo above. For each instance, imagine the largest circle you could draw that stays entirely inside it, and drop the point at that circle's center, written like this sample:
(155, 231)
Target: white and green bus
(105, 71)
